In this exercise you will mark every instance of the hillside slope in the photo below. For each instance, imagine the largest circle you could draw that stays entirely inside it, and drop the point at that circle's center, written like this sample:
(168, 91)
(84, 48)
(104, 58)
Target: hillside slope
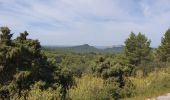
(86, 49)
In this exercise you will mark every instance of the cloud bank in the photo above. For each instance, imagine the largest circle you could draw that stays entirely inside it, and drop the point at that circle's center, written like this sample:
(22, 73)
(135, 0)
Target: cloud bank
(96, 22)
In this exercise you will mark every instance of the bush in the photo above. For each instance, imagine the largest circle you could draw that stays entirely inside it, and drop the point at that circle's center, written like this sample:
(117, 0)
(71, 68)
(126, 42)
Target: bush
(93, 88)
(89, 88)
(36, 93)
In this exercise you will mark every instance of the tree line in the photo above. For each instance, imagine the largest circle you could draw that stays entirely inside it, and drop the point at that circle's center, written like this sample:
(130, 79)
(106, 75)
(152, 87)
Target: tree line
(23, 64)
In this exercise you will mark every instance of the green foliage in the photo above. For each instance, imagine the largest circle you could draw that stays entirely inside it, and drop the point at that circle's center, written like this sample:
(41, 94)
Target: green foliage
(94, 88)
(89, 88)
(28, 72)
(164, 49)
(7, 54)
(137, 49)
(23, 63)
(66, 81)
(115, 71)
(5, 36)
(115, 76)
(37, 93)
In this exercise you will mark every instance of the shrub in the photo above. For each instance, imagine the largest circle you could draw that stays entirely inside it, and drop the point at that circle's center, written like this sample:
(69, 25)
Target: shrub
(36, 93)
(89, 88)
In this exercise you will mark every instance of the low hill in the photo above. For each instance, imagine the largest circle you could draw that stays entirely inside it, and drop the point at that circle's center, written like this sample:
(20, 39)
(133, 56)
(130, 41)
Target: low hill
(114, 49)
(86, 49)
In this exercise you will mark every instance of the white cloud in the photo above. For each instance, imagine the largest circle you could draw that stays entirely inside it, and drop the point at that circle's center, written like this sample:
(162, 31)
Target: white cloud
(97, 22)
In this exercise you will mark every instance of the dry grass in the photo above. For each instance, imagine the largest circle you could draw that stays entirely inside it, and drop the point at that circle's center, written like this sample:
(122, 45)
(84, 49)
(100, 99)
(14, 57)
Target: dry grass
(88, 88)
(156, 84)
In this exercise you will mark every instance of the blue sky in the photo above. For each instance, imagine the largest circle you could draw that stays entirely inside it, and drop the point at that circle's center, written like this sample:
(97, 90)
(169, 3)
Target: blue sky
(94, 22)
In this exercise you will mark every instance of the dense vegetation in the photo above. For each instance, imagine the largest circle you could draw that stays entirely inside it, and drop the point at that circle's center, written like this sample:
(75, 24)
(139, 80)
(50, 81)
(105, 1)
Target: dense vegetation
(30, 72)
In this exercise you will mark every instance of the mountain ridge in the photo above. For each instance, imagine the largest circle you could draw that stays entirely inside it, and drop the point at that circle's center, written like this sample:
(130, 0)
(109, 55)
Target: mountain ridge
(86, 48)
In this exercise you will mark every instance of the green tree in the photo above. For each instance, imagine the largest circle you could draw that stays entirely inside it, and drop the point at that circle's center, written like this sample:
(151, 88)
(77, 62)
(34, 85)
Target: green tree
(32, 64)
(21, 64)
(164, 49)
(8, 53)
(137, 48)
(5, 36)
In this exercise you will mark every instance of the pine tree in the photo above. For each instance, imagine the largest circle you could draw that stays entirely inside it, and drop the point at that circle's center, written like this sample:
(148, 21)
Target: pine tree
(137, 48)
(164, 49)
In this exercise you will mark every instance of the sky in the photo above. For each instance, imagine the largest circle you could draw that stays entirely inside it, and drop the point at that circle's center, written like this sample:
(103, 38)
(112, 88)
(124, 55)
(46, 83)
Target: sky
(94, 22)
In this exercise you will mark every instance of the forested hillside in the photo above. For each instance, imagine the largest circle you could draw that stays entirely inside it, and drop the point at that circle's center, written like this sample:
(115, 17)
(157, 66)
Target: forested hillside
(86, 49)
(30, 72)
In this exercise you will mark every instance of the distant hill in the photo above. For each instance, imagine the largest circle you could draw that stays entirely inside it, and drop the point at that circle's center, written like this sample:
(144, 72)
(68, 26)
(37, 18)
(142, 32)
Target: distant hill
(87, 49)
(83, 49)
(114, 49)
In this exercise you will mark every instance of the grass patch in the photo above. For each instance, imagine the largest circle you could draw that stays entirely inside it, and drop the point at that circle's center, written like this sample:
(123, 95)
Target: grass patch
(155, 84)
